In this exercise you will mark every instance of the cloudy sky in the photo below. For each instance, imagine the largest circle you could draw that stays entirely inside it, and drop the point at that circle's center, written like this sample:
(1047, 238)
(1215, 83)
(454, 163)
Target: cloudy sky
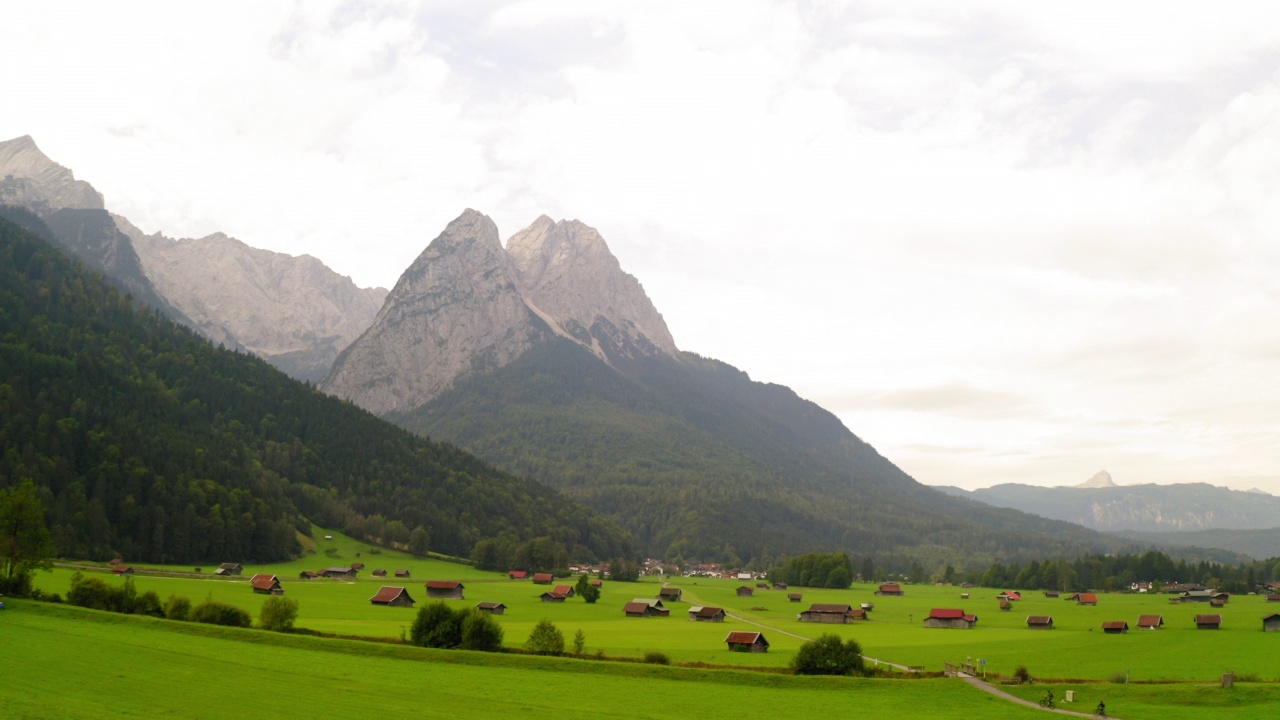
(1004, 242)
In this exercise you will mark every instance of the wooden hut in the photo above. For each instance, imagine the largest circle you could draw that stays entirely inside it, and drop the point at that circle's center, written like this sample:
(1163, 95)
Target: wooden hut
(889, 589)
(952, 618)
(392, 596)
(742, 641)
(1150, 622)
(1208, 622)
(264, 584)
(493, 608)
(1115, 627)
(830, 613)
(445, 589)
(1271, 623)
(708, 614)
(1039, 622)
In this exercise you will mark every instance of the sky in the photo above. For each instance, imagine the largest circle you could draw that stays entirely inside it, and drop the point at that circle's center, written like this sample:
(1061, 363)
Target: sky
(1002, 241)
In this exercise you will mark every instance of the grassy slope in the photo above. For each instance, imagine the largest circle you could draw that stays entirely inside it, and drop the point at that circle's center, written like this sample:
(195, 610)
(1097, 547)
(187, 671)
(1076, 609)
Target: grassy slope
(118, 666)
(1075, 649)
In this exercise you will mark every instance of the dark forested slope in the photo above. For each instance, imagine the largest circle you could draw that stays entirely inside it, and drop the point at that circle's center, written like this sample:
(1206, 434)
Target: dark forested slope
(149, 442)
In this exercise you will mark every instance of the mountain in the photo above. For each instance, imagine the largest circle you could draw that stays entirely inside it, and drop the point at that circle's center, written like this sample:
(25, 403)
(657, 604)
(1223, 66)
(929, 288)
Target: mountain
(1109, 507)
(549, 361)
(294, 312)
(1101, 479)
(149, 443)
(28, 178)
(1256, 544)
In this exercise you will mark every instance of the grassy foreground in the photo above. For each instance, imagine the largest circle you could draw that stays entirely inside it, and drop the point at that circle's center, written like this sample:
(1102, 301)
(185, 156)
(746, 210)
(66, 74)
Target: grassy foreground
(63, 662)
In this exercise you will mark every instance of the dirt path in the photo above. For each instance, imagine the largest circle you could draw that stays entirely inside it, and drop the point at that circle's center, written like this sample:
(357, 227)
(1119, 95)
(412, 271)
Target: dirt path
(987, 688)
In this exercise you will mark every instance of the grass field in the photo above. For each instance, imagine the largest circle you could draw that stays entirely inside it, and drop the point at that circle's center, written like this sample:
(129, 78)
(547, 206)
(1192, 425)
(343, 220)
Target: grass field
(1076, 648)
(64, 662)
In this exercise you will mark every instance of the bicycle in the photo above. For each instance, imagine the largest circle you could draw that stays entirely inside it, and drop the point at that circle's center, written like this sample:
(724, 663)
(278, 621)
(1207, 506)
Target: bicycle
(1102, 710)
(1047, 700)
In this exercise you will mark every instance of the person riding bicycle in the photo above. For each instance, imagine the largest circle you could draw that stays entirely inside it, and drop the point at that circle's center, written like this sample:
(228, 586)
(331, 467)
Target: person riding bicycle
(1048, 699)
(1102, 709)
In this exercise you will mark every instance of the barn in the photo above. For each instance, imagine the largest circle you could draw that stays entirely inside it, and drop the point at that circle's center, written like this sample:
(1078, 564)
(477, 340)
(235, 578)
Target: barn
(229, 569)
(1115, 627)
(1150, 622)
(670, 594)
(707, 614)
(493, 608)
(392, 596)
(543, 578)
(1208, 622)
(742, 641)
(830, 613)
(889, 589)
(552, 596)
(744, 591)
(645, 608)
(950, 618)
(445, 589)
(1271, 623)
(1039, 622)
(266, 584)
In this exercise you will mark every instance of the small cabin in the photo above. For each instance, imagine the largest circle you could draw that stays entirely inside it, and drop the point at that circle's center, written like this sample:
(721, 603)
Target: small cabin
(1150, 622)
(779, 586)
(1009, 595)
(1115, 627)
(122, 570)
(889, 589)
(1087, 599)
(264, 584)
(379, 573)
(392, 596)
(565, 590)
(348, 573)
(795, 597)
(833, 613)
(517, 574)
(1051, 593)
(951, 618)
(708, 614)
(670, 594)
(1208, 622)
(229, 569)
(1039, 622)
(493, 608)
(306, 575)
(552, 596)
(1271, 623)
(641, 608)
(445, 589)
(742, 641)
(402, 573)
(744, 591)
(543, 578)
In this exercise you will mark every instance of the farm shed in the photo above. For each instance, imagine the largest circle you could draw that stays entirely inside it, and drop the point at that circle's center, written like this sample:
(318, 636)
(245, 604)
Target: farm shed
(306, 575)
(122, 570)
(643, 609)
(1051, 593)
(229, 569)
(889, 589)
(565, 590)
(670, 594)
(445, 589)
(517, 574)
(779, 586)
(402, 573)
(357, 565)
(795, 597)
(830, 613)
(950, 618)
(392, 596)
(1114, 627)
(744, 591)
(1039, 622)
(493, 608)
(742, 641)
(1273, 598)
(266, 584)
(552, 596)
(543, 579)
(1208, 622)
(379, 573)
(1009, 595)
(1150, 622)
(1087, 599)
(708, 614)
(338, 572)
(1197, 596)
(1271, 623)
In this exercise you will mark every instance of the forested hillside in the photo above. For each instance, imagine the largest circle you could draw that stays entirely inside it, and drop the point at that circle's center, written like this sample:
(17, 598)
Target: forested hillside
(150, 443)
(698, 461)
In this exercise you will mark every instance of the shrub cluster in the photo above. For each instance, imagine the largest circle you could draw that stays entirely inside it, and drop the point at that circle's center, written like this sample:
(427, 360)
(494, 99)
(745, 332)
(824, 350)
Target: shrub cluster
(439, 626)
(828, 655)
(98, 595)
(215, 613)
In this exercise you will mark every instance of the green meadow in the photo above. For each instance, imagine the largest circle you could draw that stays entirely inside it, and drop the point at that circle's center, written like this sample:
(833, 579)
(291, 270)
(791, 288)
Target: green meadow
(1075, 649)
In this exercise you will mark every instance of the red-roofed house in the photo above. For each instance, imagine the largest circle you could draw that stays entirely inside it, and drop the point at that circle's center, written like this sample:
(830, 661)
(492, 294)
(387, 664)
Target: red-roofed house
(950, 618)
(445, 589)
(1009, 595)
(1150, 622)
(266, 584)
(707, 614)
(889, 589)
(1208, 622)
(551, 596)
(518, 574)
(830, 613)
(392, 596)
(742, 641)
(122, 570)
(1039, 622)
(542, 578)
(1114, 627)
(565, 590)
(1087, 599)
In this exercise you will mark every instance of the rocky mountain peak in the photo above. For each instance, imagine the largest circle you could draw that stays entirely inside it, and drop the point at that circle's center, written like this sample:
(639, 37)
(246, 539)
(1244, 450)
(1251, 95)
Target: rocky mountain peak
(1100, 480)
(28, 178)
(566, 271)
(454, 312)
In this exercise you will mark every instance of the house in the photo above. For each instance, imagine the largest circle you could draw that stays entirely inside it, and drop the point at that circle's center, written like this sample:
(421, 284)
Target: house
(392, 596)
(1271, 623)
(1114, 627)
(1208, 622)
(889, 589)
(402, 573)
(831, 613)
(122, 570)
(357, 565)
(950, 618)
(493, 608)
(517, 574)
(266, 584)
(640, 608)
(1009, 595)
(1197, 596)
(794, 597)
(379, 573)
(229, 569)
(1039, 622)
(1150, 622)
(542, 579)
(306, 575)
(445, 589)
(744, 591)
(708, 614)
(1087, 599)
(742, 641)
(565, 590)
(338, 572)
(552, 596)
(670, 594)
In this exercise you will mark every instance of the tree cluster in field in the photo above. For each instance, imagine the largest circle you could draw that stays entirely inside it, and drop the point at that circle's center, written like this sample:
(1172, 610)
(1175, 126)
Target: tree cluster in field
(1119, 571)
(25, 543)
(97, 594)
(585, 590)
(829, 655)
(439, 626)
(823, 570)
(146, 442)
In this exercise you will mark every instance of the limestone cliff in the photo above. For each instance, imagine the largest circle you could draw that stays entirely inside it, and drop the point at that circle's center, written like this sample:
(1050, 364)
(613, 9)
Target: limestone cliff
(28, 178)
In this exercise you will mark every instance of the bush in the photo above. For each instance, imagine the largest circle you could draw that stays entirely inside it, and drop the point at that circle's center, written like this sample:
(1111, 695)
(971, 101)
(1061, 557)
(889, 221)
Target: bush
(216, 613)
(97, 594)
(1022, 675)
(657, 658)
(1118, 678)
(278, 614)
(480, 632)
(177, 607)
(436, 626)
(828, 655)
(579, 643)
(148, 603)
(546, 639)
